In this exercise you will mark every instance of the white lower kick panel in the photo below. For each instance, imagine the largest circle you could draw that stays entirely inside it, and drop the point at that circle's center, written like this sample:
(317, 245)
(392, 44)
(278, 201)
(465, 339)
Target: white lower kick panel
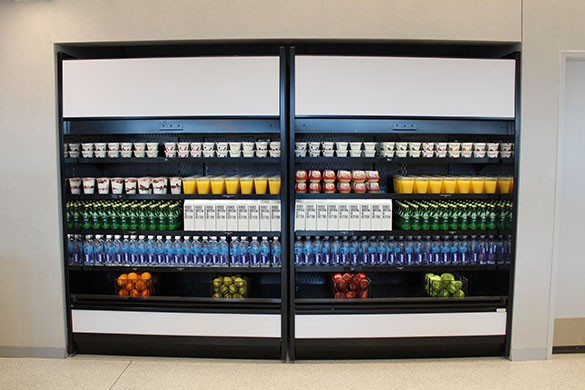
(344, 326)
(176, 324)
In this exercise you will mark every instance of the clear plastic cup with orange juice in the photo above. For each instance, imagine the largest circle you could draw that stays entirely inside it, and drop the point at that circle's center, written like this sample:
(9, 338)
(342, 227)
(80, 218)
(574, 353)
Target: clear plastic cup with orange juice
(274, 185)
(421, 184)
(189, 186)
(407, 184)
(449, 184)
(490, 185)
(477, 185)
(218, 185)
(203, 185)
(232, 185)
(505, 184)
(463, 184)
(397, 184)
(247, 185)
(435, 184)
(261, 185)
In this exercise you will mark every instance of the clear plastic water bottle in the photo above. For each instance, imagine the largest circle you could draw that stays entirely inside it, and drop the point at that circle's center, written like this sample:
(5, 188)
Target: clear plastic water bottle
(326, 251)
(141, 250)
(427, 249)
(117, 250)
(235, 253)
(408, 251)
(150, 250)
(205, 257)
(179, 252)
(254, 251)
(335, 251)
(372, 253)
(344, 251)
(224, 252)
(381, 255)
(482, 250)
(354, 249)
(508, 250)
(188, 254)
(308, 257)
(474, 250)
(400, 258)
(245, 251)
(98, 250)
(133, 250)
(276, 252)
(298, 251)
(70, 248)
(78, 249)
(197, 257)
(454, 247)
(435, 251)
(88, 254)
(169, 251)
(316, 250)
(492, 250)
(390, 251)
(213, 249)
(264, 252)
(160, 251)
(363, 251)
(464, 250)
(445, 251)
(109, 250)
(417, 247)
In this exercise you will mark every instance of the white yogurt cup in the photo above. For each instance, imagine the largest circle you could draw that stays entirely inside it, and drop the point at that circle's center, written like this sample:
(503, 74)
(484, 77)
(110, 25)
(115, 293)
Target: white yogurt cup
(401, 146)
(87, 153)
(171, 146)
(493, 153)
(235, 146)
(144, 185)
(74, 154)
(401, 153)
(328, 153)
(222, 146)
(159, 185)
(341, 153)
(300, 146)
(466, 146)
(441, 153)
(88, 185)
(261, 145)
(235, 154)
(222, 153)
(126, 146)
(100, 146)
(74, 147)
(454, 146)
(300, 153)
(248, 153)
(75, 185)
(466, 153)
(208, 153)
(151, 146)
(113, 146)
(327, 145)
(479, 146)
(140, 146)
(479, 154)
(275, 145)
(355, 153)
(249, 146)
(113, 154)
(139, 153)
(428, 146)
(170, 153)
(455, 153)
(117, 185)
(87, 146)
(126, 153)
(183, 153)
(196, 153)
(414, 146)
(99, 154)
(506, 146)
(389, 153)
(183, 146)
(261, 153)
(314, 146)
(370, 153)
(441, 146)
(414, 153)
(195, 146)
(176, 183)
(152, 153)
(341, 145)
(355, 146)
(493, 146)
(276, 153)
(103, 185)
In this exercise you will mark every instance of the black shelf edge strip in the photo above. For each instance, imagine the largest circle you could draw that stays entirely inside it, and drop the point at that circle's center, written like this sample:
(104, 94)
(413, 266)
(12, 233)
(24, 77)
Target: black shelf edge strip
(402, 232)
(380, 160)
(169, 197)
(318, 196)
(413, 268)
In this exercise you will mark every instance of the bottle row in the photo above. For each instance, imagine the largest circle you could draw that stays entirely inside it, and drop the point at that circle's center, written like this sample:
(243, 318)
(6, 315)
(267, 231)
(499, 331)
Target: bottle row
(125, 215)
(453, 215)
(173, 252)
(401, 251)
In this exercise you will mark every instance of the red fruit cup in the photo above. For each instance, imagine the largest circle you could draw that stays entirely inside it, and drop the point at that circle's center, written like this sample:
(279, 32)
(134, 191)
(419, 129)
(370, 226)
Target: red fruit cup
(343, 176)
(344, 188)
(315, 176)
(329, 187)
(301, 187)
(314, 187)
(329, 176)
(359, 188)
(372, 176)
(301, 175)
(373, 186)
(358, 176)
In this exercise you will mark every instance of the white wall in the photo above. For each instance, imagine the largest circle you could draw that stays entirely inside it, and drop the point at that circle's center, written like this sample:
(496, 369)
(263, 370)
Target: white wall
(31, 285)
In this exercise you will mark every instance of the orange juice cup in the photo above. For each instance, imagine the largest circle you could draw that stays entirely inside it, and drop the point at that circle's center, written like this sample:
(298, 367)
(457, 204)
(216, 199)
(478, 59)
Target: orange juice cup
(490, 185)
(397, 180)
(203, 185)
(407, 185)
(477, 185)
(232, 185)
(274, 185)
(189, 187)
(435, 185)
(421, 184)
(505, 184)
(261, 185)
(449, 184)
(246, 185)
(217, 185)
(463, 184)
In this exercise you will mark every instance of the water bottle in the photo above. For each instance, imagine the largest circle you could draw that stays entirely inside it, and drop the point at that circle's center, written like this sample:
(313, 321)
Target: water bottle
(197, 255)
(508, 250)
(435, 251)
(481, 250)
(71, 248)
(417, 248)
(98, 250)
(213, 249)
(326, 251)
(109, 250)
(298, 251)
(390, 251)
(245, 251)
(408, 251)
(500, 250)
(160, 250)
(464, 250)
(363, 251)
(78, 250)
(254, 250)
(399, 251)
(151, 250)
(381, 254)
(141, 250)
(235, 253)
(335, 251)
(117, 250)
(125, 248)
(169, 251)
(491, 255)
(264, 252)
(276, 252)
(133, 250)
(354, 248)
(372, 253)
(427, 250)
(188, 253)
(454, 246)
(344, 251)
(88, 254)
(316, 250)
(473, 250)
(224, 252)
(179, 252)
(308, 257)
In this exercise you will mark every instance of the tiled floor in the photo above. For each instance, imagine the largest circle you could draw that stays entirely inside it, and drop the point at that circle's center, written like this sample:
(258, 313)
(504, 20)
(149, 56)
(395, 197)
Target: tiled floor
(563, 372)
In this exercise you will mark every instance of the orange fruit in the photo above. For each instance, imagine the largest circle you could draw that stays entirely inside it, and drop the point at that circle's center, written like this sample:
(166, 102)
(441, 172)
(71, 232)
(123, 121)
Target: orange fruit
(122, 280)
(146, 276)
(145, 293)
(123, 292)
(133, 276)
(134, 293)
(140, 285)
(129, 286)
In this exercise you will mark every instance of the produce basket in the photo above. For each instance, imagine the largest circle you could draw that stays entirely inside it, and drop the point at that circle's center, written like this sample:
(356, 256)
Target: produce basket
(351, 286)
(230, 286)
(446, 285)
(135, 285)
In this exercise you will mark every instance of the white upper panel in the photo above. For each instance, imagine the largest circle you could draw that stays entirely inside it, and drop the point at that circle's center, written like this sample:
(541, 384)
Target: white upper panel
(396, 86)
(146, 87)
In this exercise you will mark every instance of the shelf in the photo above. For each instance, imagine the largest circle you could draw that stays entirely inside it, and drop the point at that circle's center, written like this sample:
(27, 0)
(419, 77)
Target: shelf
(408, 160)
(169, 197)
(399, 300)
(170, 232)
(405, 196)
(302, 233)
(414, 268)
(159, 160)
(155, 268)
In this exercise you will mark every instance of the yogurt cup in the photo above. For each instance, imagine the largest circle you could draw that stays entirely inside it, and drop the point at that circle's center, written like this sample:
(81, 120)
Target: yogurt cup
(103, 185)
(355, 146)
(454, 153)
(100, 146)
(441, 146)
(175, 183)
(74, 147)
(183, 146)
(87, 153)
(159, 185)
(113, 146)
(208, 153)
(126, 153)
(222, 153)
(370, 145)
(170, 146)
(235, 146)
(235, 154)
(506, 154)
(113, 154)
(414, 153)
(99, 154)
(276, 153)
(370, 153)
(75, 185)
(170, 153)
(388, 145)
(479, 154)
(261, 145)
(88, 185)
(249, 146)
(183, 153)
(506, 146)
(248, 154)
(86, 146)
(441, 153)
(117, 184)
(196, 153)
(275, 145)
(479, 146)
(493, 153)
(300, 153)
(428, 146)
(144, 185)
(314, 153)
(195, 146)
(314, 146)
(262, 153)
(222, 146)
(139, 153)
(140, 146)
(401, 146)
(466, 146)
(355, 153)
(126, 146)
(389, 153)
(152, 153)
(328, 145)
(454, 146)
(130, 184)
(401, 153)
(341, 153)
(493, 146)
(414, 145)
(151, 146)
(428, 153)
(300, 146)
(341, 145)
(466, 153)
(74, 154)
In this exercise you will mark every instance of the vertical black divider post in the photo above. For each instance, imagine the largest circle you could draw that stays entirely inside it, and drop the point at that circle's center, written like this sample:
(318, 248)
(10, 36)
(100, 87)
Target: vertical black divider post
(290, 191)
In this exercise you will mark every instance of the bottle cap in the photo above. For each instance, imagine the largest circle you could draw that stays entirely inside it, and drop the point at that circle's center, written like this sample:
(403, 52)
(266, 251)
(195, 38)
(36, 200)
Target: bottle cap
(151, 237)
(168, 237)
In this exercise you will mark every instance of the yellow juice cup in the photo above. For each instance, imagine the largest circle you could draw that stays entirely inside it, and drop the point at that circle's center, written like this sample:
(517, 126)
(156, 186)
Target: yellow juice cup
(189, 187)
(421, 184)
(435, 185)
(397, 184)
(274, 185)
(490, 185)
(203, 185)
(463, 184)
(505, 184)
(232, 185)
(246, 185)
(477, 185)
(261, 185)
(218, 185)
(449, 185)
(407, 185)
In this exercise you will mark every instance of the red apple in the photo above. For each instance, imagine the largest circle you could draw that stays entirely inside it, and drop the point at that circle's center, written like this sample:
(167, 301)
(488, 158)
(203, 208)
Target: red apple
(341, 285)
(364, 283)
(361, 276)
(363, 295)
(339, 295)
(337, 277)
(353, 286)
(350, 294)
(347, 277)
